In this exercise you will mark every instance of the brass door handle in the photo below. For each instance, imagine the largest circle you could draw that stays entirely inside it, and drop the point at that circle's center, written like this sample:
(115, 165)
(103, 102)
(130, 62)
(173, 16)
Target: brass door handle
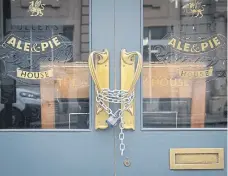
(130, 73)
(129, 58)
(99, 68)
(97, 58)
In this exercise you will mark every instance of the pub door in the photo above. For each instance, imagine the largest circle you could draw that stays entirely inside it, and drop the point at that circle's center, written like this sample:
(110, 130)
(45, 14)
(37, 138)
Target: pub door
(164, 131)
(177, 129)
(53, 130)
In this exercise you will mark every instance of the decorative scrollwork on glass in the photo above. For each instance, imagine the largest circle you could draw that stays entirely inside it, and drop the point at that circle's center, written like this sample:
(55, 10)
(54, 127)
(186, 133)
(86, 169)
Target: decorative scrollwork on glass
(29, 53)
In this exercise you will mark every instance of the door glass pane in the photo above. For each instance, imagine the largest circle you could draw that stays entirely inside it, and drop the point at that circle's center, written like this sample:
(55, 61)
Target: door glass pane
(185, 64)
(43, 57)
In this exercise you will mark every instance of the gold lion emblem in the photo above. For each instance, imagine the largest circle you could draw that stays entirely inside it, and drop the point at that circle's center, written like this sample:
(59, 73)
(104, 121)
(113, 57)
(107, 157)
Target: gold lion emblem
(36, 8)
(194, 8)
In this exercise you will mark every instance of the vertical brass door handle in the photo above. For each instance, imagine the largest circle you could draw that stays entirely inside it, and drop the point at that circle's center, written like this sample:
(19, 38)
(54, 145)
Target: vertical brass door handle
(130, 73)
(99, 69)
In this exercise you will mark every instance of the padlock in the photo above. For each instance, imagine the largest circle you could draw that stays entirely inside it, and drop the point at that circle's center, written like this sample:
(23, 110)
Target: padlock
(112, 121)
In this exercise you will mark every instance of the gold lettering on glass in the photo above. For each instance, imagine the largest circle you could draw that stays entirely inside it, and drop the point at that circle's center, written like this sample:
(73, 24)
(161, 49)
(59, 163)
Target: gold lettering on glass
(34, 75)
(194, 47)
(194, 8)
(196, 74)
(19, 44)
(36, 8)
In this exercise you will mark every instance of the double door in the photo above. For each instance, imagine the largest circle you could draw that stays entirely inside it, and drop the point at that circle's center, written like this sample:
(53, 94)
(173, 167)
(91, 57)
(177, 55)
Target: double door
(141, 147)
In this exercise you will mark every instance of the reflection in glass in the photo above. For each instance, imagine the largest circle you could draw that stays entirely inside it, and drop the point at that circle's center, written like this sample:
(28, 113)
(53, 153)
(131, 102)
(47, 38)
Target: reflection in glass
(44, 81)
(184, 83)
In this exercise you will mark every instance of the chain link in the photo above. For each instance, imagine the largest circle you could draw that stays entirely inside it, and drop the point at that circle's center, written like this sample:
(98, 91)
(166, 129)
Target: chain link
(121, 134)
(118, 97)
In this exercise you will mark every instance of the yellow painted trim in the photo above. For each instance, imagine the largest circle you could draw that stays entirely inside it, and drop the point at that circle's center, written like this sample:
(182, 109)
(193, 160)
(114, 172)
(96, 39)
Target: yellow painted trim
(196, 158)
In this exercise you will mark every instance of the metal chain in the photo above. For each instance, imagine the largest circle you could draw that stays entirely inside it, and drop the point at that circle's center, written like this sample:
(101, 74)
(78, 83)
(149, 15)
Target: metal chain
(121, 135)
(122, 97)
(118, 97)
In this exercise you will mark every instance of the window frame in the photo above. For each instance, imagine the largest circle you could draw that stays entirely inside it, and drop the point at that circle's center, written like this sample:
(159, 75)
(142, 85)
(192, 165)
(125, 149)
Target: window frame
(90, 87)
(139, 89)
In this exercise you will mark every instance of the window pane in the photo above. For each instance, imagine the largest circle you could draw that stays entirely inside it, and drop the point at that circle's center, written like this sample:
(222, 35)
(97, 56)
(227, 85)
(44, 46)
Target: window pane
(43, 57)
(185, 64)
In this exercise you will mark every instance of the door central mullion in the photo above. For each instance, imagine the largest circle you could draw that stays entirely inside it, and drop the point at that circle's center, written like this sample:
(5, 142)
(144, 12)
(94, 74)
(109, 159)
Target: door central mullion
(115, 106)
(127, 36)
(102, 37)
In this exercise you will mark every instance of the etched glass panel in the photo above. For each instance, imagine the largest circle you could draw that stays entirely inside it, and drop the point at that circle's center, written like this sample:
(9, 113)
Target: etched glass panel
(43, 57)
(185, 64)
